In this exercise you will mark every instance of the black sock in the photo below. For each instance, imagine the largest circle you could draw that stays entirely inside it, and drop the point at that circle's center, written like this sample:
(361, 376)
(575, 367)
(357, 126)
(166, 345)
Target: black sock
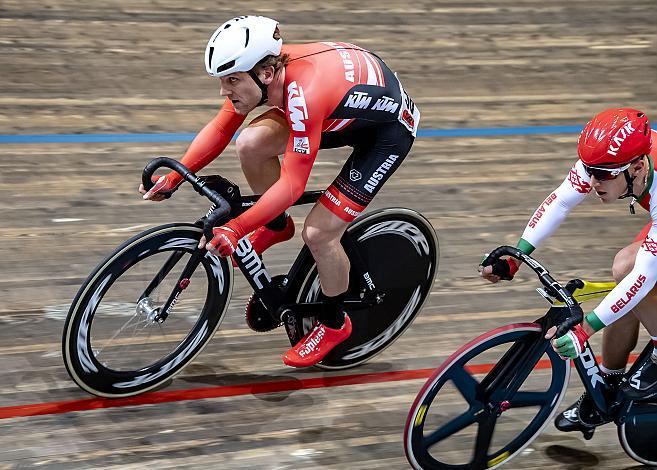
(279, 223)
(332, 314)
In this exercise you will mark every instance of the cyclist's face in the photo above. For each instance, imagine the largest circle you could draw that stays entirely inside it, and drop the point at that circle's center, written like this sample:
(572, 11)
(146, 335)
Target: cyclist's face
(609, 190)
(240, 88)
(610, 187)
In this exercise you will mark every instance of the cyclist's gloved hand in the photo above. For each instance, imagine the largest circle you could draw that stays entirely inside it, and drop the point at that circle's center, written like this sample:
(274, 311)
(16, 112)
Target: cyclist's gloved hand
(570, 345)
(224, 241)
(162, 189)
(503, 269)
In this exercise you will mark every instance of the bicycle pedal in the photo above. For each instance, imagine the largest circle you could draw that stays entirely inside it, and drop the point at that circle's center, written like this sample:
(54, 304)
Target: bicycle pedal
(257, 316)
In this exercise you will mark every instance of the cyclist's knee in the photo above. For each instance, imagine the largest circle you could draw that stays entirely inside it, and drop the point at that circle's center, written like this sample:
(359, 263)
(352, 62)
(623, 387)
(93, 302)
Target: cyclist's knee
(317, 239)
(265, 137)
(312, 237)
(249, 144)
(624, 262)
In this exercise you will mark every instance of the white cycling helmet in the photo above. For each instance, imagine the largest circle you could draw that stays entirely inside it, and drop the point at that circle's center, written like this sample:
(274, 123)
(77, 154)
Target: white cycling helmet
(239, 44)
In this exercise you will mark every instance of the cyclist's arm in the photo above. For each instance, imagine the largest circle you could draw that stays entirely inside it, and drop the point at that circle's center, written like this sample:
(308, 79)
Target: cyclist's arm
(305, 117)
(631, 290)
(210, 141)
(295, 170)
(554, 209)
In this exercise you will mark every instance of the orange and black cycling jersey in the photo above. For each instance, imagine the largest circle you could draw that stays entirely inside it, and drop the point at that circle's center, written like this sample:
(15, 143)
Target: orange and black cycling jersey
(330, 87)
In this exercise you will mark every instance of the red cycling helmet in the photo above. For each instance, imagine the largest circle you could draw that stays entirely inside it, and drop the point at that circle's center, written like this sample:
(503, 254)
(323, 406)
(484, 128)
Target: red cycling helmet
(615, 137)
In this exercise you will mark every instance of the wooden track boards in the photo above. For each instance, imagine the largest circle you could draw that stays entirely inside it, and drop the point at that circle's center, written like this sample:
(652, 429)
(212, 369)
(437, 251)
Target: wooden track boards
(136, 67)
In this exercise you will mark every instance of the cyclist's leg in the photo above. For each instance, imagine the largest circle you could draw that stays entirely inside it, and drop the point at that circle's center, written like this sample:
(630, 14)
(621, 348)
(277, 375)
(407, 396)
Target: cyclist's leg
(644, 380)
(620, 338)
(258, 147)
(618, 341)
(378, 152)
(322, 232)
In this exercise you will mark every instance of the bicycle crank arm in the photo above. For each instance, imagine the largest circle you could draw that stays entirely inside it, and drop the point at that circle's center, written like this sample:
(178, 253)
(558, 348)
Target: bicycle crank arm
(312, 309)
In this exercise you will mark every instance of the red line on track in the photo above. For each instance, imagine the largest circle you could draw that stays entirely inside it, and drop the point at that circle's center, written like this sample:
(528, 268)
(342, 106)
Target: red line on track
(151, 398)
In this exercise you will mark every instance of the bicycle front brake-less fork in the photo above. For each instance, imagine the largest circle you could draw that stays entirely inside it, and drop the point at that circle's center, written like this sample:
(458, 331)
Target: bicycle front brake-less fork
(513, 368)
(157, 314)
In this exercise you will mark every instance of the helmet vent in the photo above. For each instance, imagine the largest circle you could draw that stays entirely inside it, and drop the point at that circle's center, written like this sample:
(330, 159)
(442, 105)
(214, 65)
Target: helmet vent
(210, 55)
(246, 43)
(645, 129)
(226, 66)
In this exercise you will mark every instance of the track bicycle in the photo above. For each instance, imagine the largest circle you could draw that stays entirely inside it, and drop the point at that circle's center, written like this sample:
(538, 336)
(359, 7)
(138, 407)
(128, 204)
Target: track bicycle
(460, 420)
(151, 306)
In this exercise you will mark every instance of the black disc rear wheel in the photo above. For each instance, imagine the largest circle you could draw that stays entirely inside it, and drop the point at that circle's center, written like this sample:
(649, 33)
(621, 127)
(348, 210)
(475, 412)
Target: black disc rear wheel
(400, 249)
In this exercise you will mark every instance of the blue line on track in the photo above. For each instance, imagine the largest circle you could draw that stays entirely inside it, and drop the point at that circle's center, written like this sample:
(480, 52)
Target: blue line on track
(172, 137)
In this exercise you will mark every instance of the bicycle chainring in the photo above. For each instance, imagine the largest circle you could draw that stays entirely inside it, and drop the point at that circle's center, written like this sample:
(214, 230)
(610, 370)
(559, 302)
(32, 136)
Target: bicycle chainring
(256, 315)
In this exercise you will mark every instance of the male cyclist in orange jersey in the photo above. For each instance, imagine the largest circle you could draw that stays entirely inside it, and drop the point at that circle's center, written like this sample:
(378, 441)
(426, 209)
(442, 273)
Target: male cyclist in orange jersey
(616, 160)
(321, 95)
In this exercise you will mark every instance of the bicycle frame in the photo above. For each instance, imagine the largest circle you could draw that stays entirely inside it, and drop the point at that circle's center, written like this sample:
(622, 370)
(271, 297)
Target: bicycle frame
(227, 204)
(564, 313)
(278, 300)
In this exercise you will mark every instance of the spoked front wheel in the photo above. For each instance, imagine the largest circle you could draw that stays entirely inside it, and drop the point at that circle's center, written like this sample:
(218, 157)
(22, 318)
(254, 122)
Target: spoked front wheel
(400, 249)
(451, 425)
(145, 312)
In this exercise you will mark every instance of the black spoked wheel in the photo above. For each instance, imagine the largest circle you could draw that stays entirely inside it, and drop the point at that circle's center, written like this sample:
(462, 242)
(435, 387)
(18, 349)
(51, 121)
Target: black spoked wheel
(115, 341)
(400, 249)
(451, 426)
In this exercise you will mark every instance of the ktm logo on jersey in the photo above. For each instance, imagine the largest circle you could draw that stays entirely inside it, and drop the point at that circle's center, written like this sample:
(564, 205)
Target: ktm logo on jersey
(358, 100)
(385, 103)
(296, 107)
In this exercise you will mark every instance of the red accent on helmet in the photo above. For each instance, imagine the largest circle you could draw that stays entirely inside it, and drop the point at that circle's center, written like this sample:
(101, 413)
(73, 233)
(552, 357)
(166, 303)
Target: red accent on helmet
(615, 137)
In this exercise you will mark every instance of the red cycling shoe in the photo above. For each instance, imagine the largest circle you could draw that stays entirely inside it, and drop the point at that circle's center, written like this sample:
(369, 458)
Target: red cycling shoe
(317, 344)
(262, 238)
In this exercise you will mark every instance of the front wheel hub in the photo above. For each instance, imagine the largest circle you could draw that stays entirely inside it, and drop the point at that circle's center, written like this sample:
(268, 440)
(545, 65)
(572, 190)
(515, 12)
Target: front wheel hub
(145, 308)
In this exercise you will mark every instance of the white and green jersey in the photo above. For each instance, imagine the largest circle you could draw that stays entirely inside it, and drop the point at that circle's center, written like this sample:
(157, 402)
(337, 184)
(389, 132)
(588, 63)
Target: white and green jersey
(554, 209)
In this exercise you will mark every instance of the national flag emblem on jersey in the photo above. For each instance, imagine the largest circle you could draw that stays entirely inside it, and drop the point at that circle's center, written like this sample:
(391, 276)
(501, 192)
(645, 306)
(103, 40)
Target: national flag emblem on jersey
(577, 182)
(301, 145)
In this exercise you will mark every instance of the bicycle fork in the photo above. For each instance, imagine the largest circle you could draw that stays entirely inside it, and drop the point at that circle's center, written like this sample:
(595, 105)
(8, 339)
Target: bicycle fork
(512, 369)
(160, 314)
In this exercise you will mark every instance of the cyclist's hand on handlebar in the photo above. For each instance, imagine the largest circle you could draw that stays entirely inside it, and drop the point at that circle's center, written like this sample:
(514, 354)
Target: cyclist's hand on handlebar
(501, 269)
(161, 190)
(570, 345)
(224, 242)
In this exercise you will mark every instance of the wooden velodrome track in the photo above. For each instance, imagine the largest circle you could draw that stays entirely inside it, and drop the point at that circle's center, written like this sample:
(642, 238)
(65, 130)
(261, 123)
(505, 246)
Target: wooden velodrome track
(124, 67)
